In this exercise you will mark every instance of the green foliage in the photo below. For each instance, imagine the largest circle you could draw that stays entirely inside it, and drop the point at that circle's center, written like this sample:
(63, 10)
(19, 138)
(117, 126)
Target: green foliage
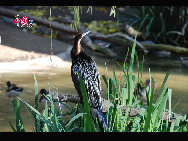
(37, 12)
(105, 27)
(161, 24)
(149, 119)
(88, 121)
(76, 10)
(19, 123)
(76, 14)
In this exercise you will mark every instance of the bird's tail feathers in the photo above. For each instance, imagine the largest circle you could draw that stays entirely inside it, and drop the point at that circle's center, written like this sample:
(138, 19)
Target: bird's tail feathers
(19, 89)
(102, 119)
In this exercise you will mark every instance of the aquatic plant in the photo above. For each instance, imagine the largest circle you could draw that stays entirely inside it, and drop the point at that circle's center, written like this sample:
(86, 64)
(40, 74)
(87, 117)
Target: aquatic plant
(161, 24)
(151, 117)
(76, 10)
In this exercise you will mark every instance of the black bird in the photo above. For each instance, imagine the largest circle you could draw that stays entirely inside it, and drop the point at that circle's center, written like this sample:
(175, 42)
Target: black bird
(43, 98)
(87, 68)
(13, 90)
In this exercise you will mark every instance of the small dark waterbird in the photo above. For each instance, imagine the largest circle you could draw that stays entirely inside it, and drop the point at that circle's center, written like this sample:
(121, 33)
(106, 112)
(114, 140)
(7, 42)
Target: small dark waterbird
(47, 94)
(142, 91)
(13, 90)
(43, 98)
(87, 68)
(44, 93)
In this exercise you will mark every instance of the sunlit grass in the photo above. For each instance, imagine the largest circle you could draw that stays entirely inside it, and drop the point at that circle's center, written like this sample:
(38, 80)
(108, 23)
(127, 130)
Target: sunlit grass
(151, 117)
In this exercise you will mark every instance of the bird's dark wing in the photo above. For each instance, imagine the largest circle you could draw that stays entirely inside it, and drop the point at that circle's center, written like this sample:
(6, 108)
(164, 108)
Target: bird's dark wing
(17, 88)
(76, 83)
(90, 75)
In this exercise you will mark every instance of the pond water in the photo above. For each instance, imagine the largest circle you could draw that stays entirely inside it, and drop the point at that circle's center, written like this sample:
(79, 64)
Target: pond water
(61, 79)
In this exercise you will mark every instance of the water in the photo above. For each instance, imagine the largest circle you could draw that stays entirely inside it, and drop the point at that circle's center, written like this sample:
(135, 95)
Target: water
(61, 79)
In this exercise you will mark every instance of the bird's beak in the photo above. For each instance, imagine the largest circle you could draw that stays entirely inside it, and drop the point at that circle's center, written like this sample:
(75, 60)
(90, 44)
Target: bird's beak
(84, 34)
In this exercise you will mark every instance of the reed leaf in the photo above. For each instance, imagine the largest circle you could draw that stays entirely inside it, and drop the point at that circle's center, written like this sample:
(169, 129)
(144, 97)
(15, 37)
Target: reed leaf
(37, 112)
(19, 123)
(130, 81)
(88, 121)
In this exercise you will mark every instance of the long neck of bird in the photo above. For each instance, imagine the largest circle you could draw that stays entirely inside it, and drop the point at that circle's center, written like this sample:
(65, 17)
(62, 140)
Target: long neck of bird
(77, 47)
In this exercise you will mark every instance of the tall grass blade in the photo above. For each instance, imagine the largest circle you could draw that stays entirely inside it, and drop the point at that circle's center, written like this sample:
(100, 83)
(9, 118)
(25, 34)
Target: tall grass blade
(45, 114)
(164, 82)
(159, 110)
(19, 123)
(36, 93)
(138, 71)
(37, 120)
(105, 80)
(12, 127)
(142, 66)
(67, 126)
(130, 81)
(37, 112)
(148, 27)
(88, 121)
(54, 116)
(169, 100)
(149, 108)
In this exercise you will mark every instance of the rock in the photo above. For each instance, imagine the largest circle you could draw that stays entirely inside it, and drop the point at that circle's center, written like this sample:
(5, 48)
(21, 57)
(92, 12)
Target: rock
(102, 43)
(159, 54)
(184, 61)
(24, 30)
(42, 30)
(65, 55)
(8, 21)
(147, 42)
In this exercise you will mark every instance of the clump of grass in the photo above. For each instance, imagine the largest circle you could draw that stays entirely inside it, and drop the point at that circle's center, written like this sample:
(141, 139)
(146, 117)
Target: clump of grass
(37, 12)
(160, 23)
(150, 118)
(104, 27)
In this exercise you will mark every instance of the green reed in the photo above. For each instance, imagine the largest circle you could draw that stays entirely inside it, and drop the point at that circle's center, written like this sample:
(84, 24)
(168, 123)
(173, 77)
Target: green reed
(150, 117)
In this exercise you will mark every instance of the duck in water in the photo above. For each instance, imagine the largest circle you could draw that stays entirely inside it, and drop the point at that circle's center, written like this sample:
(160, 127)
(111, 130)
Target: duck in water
(13, 90)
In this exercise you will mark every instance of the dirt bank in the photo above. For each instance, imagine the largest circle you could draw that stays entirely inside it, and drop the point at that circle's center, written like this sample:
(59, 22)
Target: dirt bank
(22, 50)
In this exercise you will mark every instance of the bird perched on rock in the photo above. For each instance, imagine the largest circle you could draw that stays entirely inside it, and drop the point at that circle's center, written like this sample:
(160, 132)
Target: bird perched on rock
(87, 68)
(47, 94)
(142, 91)
(13, 90)
(55, 98)
(43, 99)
